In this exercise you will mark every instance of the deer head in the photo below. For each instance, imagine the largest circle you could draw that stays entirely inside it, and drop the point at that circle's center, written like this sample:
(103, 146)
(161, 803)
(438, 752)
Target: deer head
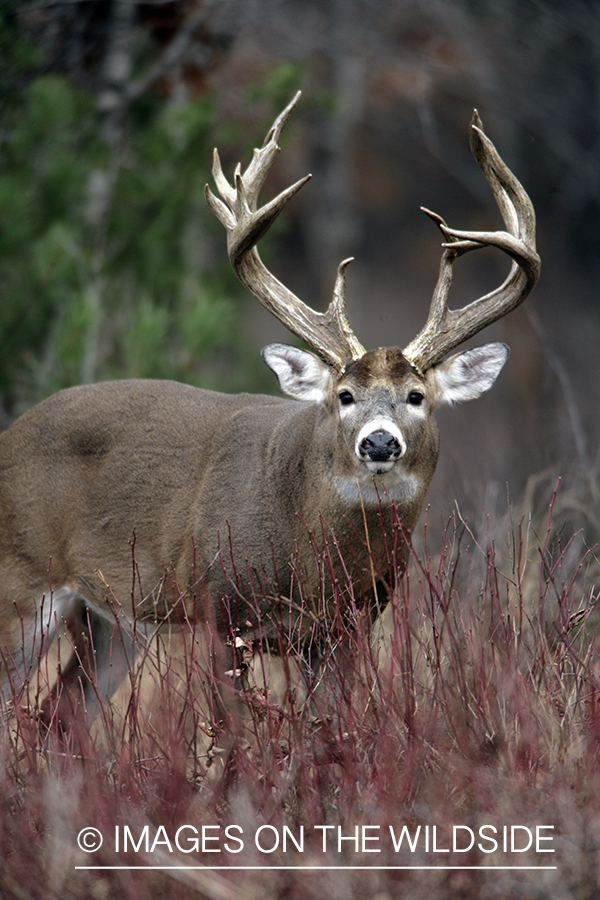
(339, 372)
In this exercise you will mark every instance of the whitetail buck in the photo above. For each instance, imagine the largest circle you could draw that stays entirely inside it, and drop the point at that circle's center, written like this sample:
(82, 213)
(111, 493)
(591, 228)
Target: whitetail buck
(178, 499)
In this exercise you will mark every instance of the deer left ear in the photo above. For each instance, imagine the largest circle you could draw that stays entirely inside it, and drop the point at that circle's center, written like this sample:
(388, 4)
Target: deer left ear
(467, 375)
(301, 374)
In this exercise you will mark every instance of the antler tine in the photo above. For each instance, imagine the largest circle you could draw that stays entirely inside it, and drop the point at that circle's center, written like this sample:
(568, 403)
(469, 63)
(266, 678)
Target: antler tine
(328, 334)
(445, 329)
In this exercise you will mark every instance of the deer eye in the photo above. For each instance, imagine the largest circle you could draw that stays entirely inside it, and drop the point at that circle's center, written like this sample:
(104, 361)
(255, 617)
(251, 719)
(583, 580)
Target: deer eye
(346, 398)
(415, 398)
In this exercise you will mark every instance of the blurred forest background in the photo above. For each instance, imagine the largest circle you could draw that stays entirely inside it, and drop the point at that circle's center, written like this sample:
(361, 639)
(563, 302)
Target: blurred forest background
(112, 266)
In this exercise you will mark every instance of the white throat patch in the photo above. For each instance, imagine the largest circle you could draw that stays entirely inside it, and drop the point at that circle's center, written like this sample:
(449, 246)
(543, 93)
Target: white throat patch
(397, 486)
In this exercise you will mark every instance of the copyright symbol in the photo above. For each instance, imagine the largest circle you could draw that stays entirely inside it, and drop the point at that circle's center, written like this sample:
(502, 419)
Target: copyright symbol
(89, 839)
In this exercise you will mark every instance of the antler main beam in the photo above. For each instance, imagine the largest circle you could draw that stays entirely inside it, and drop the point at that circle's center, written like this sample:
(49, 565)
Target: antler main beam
(328, 334)
(445, 329)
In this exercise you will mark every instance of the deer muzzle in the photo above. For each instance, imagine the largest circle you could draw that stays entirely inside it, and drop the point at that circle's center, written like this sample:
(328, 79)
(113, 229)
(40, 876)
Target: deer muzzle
(379, 445)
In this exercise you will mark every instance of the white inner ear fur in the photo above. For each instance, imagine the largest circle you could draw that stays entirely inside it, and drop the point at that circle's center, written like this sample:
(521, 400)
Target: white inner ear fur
(301, 374)
(467, 375)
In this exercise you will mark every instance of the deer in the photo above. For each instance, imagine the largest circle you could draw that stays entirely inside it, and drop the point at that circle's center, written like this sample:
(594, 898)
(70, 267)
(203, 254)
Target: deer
(186, 503)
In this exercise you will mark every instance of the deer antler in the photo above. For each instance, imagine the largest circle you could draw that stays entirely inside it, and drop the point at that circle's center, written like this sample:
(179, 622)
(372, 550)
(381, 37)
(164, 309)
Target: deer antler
(328, 334)
(445, 329)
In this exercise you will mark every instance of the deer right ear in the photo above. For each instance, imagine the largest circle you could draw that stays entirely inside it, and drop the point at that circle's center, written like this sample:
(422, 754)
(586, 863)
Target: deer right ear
(467, 375)
(301, 374)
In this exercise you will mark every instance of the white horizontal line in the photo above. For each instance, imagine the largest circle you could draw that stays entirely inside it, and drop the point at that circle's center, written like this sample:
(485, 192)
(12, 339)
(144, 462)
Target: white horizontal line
(313, 868)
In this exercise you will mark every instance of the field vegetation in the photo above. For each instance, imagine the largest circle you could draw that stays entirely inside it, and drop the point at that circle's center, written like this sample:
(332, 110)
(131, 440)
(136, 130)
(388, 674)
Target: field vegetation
(467, 716)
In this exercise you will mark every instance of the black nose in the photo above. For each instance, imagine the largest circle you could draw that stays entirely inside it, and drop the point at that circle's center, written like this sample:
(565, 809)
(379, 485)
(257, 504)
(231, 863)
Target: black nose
(380, 446)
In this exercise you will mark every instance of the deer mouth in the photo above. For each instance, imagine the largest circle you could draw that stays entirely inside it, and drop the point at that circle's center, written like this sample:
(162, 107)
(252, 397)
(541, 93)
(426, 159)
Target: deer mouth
(379, 468)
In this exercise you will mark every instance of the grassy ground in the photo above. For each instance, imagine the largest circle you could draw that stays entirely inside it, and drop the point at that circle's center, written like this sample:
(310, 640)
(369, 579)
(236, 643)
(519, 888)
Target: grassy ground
(425, 758)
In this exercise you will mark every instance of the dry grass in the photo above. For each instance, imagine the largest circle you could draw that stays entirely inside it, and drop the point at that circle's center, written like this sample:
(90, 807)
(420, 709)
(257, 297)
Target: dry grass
(475, 703)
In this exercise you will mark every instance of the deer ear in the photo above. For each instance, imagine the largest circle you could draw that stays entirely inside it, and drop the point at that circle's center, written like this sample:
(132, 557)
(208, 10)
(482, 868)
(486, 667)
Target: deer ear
(467, 375)
(301, 374)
